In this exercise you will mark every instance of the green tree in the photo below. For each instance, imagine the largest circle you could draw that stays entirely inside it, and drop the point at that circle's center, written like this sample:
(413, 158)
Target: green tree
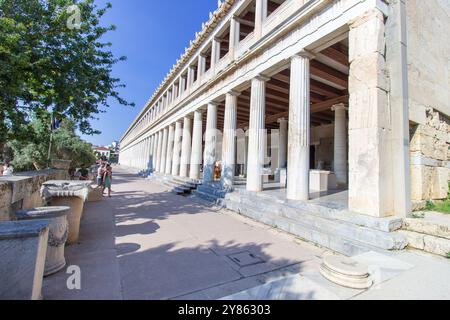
(67, 145)
(47, 64)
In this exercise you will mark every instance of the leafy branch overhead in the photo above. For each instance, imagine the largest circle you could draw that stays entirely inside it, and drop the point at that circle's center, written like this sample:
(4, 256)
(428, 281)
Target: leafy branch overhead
(45, 65)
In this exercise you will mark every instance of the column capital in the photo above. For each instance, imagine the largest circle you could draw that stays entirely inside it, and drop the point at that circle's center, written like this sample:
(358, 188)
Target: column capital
(282, 120)
(262, 77)
(339, 106)
(304, 54)
(234, 93)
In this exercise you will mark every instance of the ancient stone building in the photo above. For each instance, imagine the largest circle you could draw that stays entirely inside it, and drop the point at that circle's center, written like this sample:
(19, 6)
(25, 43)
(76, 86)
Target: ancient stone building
(340, 100)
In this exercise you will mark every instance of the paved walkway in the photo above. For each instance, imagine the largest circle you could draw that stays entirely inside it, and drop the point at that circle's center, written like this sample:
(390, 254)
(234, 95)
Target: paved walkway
(147, 243)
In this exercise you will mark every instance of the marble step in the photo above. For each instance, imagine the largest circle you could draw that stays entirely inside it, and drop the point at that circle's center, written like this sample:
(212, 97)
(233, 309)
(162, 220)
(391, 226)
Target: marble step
(327, 211)
(206, 196)
(292, 219)
(218, 193)
(428, 243)
(433, 223)
(377, 238)
(304, 231)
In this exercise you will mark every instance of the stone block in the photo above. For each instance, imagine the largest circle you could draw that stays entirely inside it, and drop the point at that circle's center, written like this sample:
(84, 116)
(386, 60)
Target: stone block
(23, 247)
(436, 245)
(369, 108)
(439, 187)
(421, 179)
(370, 172)
(367, 35)
(422, 141)
(368, 72)
(428, 227)
(415, 240)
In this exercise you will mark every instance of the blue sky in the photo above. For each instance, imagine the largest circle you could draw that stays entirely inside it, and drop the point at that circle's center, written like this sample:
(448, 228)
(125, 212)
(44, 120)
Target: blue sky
(152, 34)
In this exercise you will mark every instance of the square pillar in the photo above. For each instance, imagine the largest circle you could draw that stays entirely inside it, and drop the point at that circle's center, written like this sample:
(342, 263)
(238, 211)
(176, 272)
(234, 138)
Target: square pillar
(201, 66)
(182, 86)
(215, 53)
(234, 35)
(370, 128)
(260, 16)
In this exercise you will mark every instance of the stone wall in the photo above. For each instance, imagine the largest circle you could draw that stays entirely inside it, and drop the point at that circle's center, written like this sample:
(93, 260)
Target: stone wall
(430, 166)
(428, 23)
(22, 191)
(428, 55)
(323, 139)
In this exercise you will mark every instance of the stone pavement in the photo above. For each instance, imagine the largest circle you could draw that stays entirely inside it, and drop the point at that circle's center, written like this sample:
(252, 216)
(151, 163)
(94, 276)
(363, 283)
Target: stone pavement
(146, 243)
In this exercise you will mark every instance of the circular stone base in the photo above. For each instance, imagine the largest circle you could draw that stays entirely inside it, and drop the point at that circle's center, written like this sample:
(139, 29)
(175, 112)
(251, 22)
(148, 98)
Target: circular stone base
(346, 272)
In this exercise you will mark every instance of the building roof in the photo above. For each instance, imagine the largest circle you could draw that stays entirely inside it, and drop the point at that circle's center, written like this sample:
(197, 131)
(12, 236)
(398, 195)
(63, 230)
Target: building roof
(102, 149)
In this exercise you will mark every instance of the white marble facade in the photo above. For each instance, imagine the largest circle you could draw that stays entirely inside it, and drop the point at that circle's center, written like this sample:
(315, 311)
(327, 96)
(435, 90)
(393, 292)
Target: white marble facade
(176, 132)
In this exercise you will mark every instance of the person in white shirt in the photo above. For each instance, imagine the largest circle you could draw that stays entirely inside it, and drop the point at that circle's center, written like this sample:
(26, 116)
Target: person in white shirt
(7, 169)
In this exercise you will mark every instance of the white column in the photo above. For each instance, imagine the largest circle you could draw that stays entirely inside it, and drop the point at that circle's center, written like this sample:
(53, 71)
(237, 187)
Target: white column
(190, 77)
(246, 152)
(182, 85)
(215, 53)
(210, 143)
(234, 36)
(201, 66)
(150, 153)
(169, 100)
(283, 142)
(155, 152)
(340, 144)
(141, 154)
(186, 147)
(197, 146)
(176, 91)
(177, 149)
(256, 143)
(299, 128)
(260, 16)
(147, 153)
(170, 143)
(159, 152)
(162, 167)
(229, 139)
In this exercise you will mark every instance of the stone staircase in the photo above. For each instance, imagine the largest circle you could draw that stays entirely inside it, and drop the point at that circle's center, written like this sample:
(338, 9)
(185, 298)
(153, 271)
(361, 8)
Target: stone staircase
(341, 231)
(429, 232)
(177, 185)
(211, 192)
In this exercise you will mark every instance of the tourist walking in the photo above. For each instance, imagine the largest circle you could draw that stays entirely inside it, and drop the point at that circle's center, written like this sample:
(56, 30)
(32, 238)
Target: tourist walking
(100, 173)
(107, 180)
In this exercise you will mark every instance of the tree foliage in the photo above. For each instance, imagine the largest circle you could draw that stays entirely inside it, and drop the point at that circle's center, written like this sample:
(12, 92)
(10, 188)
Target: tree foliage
(47, 66)
(33, 153)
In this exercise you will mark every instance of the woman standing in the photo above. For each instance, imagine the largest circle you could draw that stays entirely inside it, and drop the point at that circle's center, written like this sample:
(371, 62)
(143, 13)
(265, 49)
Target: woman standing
(107, 180)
